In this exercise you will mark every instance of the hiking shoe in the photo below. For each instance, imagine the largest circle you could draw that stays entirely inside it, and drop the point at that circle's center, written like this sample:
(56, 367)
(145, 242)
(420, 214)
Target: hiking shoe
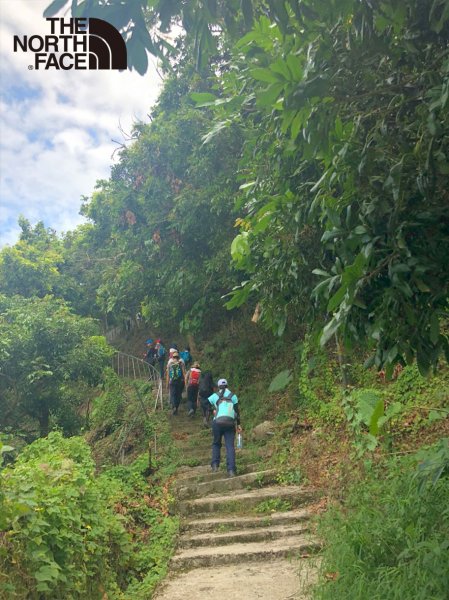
(214, 468)
(231, 473)
(174, 411)
(191, 412)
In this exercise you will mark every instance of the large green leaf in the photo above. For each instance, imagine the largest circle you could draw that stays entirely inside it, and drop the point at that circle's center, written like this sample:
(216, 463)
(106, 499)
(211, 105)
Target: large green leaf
(281, 381)
(54, 8)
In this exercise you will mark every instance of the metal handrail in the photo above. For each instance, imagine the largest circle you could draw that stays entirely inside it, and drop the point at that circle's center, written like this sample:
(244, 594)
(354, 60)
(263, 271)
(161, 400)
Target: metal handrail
(131, 367)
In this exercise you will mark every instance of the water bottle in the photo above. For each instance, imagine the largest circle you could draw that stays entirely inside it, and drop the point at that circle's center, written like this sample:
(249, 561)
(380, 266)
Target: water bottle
(239, 441)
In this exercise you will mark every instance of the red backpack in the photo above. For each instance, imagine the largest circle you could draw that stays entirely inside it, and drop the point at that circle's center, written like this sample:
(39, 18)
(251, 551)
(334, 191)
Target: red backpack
(194, 376)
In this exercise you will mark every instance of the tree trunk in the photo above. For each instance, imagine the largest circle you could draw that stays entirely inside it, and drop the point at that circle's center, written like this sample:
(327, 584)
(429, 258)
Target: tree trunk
(343, 362)
(44, 420)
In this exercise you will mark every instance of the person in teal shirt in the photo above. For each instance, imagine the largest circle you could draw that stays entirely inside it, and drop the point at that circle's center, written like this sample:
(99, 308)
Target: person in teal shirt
(226, 419)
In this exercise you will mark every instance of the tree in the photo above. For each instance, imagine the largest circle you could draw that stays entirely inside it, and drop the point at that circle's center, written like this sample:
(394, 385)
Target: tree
(45, 352)
(164, 220)
(31, 266)
(350, 105)
(343, 107)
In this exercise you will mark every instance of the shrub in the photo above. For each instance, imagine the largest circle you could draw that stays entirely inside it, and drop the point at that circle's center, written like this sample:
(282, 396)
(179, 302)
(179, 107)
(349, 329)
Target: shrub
(64, 542)
(391, 539)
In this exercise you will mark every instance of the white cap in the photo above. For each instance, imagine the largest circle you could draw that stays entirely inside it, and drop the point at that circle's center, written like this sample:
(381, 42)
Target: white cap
(222, 382)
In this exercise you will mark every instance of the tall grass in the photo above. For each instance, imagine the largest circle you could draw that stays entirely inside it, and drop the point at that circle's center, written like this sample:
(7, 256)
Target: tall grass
(390, 541)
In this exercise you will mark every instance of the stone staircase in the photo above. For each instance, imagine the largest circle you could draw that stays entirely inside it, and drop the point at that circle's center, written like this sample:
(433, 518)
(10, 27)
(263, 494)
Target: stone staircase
(233, 542)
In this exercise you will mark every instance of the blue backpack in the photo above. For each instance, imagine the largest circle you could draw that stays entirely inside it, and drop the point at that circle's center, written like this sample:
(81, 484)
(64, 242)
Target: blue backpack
(186, 356)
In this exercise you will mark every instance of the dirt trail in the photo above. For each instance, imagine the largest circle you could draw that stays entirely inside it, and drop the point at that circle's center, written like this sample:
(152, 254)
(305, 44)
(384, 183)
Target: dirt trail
(226, 546)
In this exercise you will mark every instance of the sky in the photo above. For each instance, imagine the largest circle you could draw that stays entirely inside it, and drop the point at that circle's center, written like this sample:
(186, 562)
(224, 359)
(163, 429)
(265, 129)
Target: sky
(57, 127)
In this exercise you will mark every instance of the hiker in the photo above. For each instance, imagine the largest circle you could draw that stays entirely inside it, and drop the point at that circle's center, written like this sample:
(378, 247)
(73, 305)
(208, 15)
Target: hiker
(226, 418)
(151, 353)
(186, 357)
(173, 348)
(205, 389)
(160, 356)
(176, 375)
(192, 382)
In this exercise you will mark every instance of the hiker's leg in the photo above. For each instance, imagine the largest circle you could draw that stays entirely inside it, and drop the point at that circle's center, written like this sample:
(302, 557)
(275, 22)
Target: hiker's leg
(204, 402)
(190, 399)
(203, 406)
(216, 444)
(178, 386)
(229, 436)
(194, 397)
(172, 392)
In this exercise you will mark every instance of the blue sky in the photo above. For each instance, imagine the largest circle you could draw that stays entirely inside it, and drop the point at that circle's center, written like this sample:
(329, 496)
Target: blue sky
(57, 127)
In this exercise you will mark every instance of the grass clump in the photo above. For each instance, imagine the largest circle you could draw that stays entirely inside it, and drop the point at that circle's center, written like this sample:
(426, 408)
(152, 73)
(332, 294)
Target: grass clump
(273, 505)
(390, 541)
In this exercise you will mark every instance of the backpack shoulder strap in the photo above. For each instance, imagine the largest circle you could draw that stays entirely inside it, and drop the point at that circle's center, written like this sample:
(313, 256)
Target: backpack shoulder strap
(222, 397)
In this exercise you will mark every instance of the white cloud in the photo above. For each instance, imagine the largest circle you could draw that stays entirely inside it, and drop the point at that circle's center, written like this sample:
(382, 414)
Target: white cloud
(57, 127)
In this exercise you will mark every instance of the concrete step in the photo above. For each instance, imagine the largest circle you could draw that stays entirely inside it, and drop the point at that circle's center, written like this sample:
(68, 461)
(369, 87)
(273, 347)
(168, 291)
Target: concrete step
(220, 524)
(242, 502)
(254, 534)
(187, 475)
(293, 546)
(205, 447)
(280, 579)
(202, 454)
(192, 489)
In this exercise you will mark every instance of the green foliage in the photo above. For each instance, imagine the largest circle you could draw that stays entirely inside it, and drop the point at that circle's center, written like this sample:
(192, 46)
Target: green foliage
(434, 463)
(68, 543)
(46, 352)
(137, 22)
(345, 172)
(338, 172)
(164, 219)
(367, 416)
(389, 541)
(68, 531)
(145, 509)
(290, 476)
(109, 406)
(319, 387)
(32, 266)
(281, 381)
(273, 505)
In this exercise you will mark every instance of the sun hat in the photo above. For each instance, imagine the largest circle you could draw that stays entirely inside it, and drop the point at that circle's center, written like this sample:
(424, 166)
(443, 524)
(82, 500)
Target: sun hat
(222, 383)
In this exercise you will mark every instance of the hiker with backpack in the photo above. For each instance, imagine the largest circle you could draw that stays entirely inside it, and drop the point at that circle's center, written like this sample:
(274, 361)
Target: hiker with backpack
(151, 353)
(205, 390)
(176, 375)
(226, 420)
(192, 382)
(160, 353)
(173, 348)
(186, 357)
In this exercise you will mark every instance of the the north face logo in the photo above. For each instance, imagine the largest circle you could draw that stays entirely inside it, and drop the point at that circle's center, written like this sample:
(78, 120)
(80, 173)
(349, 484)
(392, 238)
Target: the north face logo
(80, 44)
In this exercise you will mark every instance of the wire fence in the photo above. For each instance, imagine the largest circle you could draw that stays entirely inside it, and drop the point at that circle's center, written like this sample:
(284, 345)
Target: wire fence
(131, 367)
